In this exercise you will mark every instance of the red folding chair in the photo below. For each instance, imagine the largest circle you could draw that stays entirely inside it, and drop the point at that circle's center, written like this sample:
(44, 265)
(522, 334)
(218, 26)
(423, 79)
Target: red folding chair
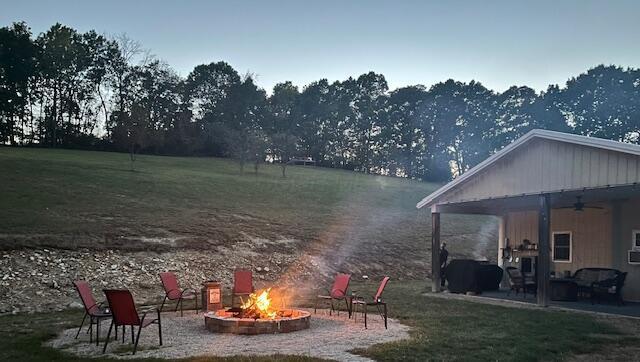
(173, 292)
(95, 311)
(377, 301)
(338, 292)
(125, 313)
(242, 284)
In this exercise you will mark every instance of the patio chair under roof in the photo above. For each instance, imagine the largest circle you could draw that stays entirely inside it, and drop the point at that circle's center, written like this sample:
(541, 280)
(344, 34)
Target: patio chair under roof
(520, 283)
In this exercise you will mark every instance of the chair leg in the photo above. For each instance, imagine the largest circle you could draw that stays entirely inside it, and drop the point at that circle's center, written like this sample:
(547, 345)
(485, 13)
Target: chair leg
(98, 331)
(365, 315)
(163, 301)
(106, 341)
(196, 300)
(132, 339)
(90, 329)
(385, 316)
(123, 332)
(159, 330)
(315, 306)
(354, 311)
(135, 345)
(348, 309)
(331, 310)
(81, 324)
(181, 306)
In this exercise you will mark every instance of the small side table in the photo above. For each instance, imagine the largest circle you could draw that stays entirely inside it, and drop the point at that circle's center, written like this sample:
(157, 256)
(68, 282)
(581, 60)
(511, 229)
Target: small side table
(562, 289)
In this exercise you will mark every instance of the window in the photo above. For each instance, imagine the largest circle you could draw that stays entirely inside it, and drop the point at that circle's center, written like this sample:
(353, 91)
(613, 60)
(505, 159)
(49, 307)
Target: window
(562, 246)
(635, 240)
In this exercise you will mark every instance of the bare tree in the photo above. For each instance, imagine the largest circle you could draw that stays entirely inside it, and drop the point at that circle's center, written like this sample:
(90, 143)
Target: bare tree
(284, 147)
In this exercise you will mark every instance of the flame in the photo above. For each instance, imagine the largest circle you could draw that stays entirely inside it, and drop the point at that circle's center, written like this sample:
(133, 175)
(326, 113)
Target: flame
(259, 305)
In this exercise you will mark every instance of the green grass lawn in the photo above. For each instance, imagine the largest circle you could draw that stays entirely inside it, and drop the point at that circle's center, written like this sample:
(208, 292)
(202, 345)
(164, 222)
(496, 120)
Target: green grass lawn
(65, 198)
(442, 330)
(43, 187)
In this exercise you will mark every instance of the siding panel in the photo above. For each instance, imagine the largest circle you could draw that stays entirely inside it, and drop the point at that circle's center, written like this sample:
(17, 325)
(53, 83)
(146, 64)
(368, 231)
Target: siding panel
(549, 166)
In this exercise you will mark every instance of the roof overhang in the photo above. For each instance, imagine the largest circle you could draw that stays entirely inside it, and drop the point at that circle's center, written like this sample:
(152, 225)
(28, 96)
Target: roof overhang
(434, 197)
(560, 199)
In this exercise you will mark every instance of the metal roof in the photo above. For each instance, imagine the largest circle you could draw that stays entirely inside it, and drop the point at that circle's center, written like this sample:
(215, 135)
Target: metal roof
(536, 133)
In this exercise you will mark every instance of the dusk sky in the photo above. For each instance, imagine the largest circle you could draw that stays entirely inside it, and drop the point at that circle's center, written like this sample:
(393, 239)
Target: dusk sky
(499, 43)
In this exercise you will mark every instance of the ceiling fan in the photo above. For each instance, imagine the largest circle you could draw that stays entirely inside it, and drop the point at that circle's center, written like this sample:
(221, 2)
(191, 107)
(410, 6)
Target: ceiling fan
(580, 206)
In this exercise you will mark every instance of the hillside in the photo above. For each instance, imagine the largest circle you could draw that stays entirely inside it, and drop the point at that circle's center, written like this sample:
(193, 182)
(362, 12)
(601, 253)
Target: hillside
(77, 214)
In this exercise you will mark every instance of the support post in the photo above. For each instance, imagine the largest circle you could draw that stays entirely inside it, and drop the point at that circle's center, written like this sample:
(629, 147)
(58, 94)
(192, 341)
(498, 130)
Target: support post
(618, 251)
(435, 251)
(502, 236)
(544, 262)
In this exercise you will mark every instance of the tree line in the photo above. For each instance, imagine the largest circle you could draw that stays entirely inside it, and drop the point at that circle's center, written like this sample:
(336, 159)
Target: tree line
(65, 88)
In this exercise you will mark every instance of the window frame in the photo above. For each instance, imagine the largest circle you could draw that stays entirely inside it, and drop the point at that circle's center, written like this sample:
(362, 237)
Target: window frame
(553, 246)
(634, 234)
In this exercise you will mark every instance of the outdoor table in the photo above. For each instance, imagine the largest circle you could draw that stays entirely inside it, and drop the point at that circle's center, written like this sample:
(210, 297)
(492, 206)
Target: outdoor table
(563, 289)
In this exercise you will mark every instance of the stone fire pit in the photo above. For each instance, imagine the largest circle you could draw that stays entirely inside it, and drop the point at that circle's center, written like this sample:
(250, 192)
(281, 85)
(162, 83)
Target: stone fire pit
(289, 320)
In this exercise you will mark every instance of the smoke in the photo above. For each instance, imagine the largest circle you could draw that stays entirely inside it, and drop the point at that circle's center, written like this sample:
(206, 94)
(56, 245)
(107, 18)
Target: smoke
(485, 242)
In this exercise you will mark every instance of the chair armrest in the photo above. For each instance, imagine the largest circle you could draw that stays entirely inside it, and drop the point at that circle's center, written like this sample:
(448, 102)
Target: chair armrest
(611, 282)
(189, 290)
(146, 309)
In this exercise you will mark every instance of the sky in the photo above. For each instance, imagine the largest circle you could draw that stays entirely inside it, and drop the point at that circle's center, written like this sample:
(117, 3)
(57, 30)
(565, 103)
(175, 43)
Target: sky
(498, 43)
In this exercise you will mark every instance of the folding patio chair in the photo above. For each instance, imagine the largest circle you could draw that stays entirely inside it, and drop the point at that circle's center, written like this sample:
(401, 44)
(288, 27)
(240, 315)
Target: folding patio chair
(338, 292)
(95, 311)
(242, 284)
(125, 313)
(173, 292)
(377, 301)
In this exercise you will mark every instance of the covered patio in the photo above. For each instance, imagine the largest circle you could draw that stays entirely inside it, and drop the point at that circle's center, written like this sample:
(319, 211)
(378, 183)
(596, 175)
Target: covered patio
(565, 204)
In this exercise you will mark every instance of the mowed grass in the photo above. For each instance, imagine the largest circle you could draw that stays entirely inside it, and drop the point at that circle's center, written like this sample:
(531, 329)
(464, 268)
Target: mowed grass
(44, 187)
(64, 198)
(441, 330)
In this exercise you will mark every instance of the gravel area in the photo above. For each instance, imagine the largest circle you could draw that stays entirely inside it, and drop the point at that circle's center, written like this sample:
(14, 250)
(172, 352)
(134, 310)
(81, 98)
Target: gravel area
(330, 337)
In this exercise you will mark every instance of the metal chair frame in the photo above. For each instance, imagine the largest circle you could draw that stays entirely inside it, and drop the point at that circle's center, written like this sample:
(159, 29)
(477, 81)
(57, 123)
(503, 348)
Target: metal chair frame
(140, 322)
(96, 312)
(380, 305)
(332, 295)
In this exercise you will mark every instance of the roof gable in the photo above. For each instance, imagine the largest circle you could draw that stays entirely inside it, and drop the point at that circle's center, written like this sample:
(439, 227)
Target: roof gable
(552, 161)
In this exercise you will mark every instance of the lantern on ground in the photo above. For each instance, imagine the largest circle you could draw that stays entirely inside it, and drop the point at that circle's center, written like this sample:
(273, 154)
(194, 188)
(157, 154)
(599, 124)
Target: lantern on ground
(211, 296)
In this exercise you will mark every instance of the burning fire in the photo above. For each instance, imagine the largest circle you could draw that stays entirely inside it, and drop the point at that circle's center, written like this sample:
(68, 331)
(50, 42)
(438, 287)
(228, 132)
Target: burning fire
(259, 306)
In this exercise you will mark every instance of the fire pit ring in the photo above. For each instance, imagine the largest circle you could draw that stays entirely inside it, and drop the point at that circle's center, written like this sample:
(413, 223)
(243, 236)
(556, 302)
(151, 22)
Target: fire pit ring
(291, 320)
